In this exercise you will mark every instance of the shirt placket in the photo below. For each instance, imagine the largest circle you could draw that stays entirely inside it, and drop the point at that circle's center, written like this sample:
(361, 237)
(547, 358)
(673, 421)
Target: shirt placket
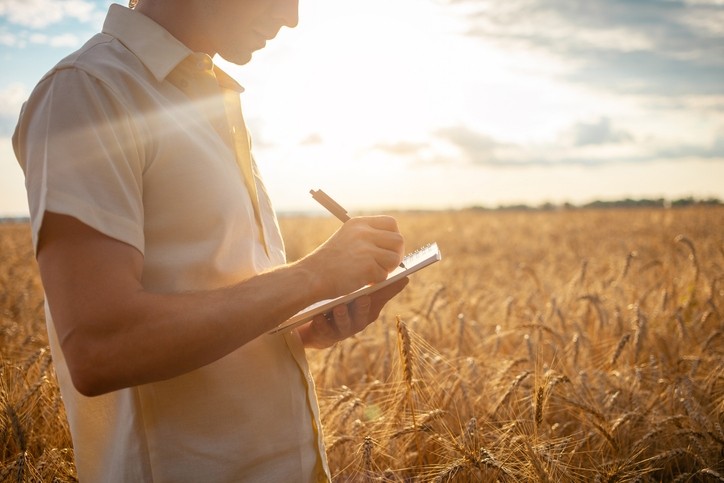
(196, 78)
(242, 148)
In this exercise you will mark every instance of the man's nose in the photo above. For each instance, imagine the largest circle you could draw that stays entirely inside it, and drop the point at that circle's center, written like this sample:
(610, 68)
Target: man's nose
(287, 11)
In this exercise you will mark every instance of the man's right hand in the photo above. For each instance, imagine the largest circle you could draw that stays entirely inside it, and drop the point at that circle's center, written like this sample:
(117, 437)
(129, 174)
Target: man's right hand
(363, 251)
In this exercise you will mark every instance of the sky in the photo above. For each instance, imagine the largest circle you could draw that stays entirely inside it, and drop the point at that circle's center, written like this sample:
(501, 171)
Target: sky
(436, 104)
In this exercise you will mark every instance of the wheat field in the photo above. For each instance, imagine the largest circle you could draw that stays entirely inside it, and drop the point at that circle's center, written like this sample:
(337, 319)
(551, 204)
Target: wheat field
(551, 346)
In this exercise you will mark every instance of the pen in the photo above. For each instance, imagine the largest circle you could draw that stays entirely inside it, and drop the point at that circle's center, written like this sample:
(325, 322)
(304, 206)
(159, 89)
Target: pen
(333, 207)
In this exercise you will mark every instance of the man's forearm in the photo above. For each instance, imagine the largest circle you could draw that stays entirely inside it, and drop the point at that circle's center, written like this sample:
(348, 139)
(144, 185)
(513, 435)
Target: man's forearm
(149, 337)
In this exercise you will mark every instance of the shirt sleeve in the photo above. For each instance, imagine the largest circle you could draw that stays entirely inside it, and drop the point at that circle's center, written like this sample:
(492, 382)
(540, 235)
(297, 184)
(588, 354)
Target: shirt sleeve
(81, 155)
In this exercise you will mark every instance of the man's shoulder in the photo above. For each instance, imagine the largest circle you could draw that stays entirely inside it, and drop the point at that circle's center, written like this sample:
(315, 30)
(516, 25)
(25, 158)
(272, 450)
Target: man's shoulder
(102, 57)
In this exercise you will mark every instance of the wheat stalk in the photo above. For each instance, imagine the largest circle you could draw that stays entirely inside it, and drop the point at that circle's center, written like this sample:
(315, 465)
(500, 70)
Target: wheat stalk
(338, 442)
(619, 348)
(516, 382)
(534, 458)
(710, 472)
(367, 458)
(404, 347)
(451, 471)
(692, 254)
(539, 407)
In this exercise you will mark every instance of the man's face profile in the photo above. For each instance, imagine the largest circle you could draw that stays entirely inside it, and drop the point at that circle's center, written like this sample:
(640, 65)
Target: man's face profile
(235, 29)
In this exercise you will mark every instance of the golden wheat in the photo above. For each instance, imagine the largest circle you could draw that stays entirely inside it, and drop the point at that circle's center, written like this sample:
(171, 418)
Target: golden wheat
(573, 346)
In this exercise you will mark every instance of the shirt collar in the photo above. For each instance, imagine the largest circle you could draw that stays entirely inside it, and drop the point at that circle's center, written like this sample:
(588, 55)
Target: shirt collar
(226, 81)
(154, 46)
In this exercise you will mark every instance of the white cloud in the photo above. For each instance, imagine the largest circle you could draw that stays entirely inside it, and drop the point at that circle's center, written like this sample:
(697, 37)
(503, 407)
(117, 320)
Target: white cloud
(597, 143)
(711, 24)
(704, 2)
(663, 47)
(63, 40)
(38, 38)
(597, 132)
(41, 13)
(8, 39)
(11, 98)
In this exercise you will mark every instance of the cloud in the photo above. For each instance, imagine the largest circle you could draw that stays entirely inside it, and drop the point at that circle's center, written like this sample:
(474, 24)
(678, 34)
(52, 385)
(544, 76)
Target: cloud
(650, 73)
(468, 147)
(8, 39)
(62, 40)
(583, 144)
(11, 99)
(402, 148)
(477, 147)
(642, 47)
(21, 39)
(715, 150)
(596, 133)
(39, 14)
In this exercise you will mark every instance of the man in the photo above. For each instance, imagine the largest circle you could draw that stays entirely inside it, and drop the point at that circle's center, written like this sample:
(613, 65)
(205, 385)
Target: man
(162, 261)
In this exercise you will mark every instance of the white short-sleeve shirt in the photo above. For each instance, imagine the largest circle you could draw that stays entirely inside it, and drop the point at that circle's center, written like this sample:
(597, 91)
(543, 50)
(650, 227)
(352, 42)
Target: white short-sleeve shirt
(107, 139)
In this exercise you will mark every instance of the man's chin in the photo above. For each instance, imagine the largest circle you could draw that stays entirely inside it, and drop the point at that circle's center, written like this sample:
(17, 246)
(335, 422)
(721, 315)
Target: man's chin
(238, 58)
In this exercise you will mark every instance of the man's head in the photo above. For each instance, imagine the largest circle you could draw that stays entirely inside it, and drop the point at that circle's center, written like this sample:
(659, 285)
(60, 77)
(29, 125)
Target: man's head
(234, 29)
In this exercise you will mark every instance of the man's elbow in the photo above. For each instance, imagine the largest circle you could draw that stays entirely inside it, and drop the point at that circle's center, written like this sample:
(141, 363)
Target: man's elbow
(87, 386)
(88, 372)
(88, 383)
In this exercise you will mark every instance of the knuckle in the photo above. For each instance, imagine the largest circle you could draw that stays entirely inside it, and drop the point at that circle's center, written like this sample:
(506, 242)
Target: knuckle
(382, 273)
(374, 274)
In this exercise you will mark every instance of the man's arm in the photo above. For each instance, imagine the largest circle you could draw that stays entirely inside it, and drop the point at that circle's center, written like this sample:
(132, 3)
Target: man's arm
(116, 334)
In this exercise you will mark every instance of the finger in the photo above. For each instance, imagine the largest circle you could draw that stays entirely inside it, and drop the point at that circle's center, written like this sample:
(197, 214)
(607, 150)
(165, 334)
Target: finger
(324, 327)
(342, 321)
(393, 242)
(384, 235)
(388, 260)
(360, 311)
(380, 222)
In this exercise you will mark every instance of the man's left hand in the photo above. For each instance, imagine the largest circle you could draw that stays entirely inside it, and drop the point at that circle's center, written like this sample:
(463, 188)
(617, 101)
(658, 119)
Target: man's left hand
(344, 321)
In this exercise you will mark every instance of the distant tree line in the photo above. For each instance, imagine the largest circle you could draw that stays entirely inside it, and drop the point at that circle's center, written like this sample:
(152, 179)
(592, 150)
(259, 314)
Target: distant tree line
(657, 203)
(14, 219)
(624, 203)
